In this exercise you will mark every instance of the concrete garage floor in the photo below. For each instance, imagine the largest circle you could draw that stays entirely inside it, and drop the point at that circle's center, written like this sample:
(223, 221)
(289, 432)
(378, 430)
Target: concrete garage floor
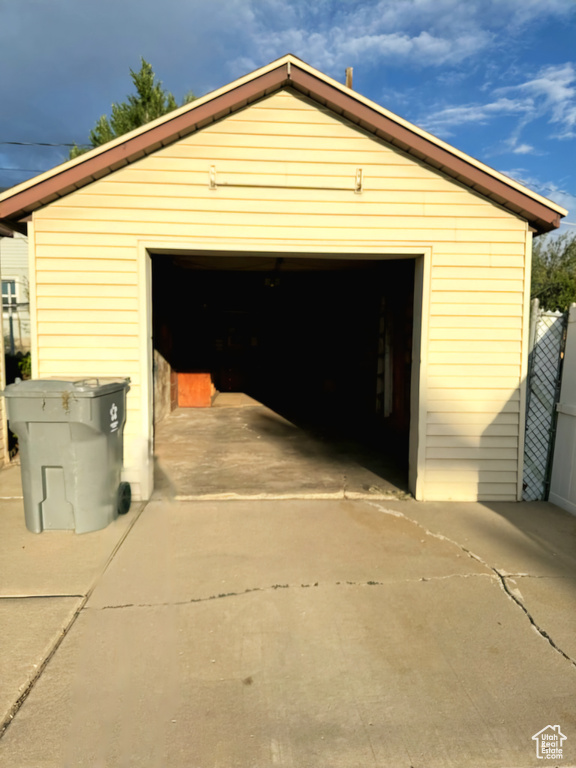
(240, 449)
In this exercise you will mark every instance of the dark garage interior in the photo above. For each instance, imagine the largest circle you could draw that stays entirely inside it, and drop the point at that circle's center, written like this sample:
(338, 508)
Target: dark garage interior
(324, 342)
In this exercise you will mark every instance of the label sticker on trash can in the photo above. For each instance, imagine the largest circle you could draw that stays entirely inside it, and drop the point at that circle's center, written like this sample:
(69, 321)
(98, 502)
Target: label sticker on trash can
(113, 418)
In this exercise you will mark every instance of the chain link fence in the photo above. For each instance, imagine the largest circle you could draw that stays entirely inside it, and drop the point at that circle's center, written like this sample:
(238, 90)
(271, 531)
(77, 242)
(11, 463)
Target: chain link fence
(547, 336)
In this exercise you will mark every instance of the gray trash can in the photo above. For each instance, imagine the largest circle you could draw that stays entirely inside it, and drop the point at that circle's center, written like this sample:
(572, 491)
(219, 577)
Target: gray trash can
(70, 436)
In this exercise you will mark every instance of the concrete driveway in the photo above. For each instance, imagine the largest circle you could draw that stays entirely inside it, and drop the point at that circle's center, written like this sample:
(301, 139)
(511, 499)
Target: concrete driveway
(318, 633)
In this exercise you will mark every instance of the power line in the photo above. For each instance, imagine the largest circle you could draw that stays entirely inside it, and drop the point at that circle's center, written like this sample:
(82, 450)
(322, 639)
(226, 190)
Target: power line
(26, 170)
(41, 144)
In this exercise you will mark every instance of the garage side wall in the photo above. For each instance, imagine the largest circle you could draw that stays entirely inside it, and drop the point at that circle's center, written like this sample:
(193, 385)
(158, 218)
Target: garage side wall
(283, 174)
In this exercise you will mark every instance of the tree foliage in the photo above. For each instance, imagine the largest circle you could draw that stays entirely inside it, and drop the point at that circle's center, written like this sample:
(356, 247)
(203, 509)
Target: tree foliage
(554, 271)
(149, 102)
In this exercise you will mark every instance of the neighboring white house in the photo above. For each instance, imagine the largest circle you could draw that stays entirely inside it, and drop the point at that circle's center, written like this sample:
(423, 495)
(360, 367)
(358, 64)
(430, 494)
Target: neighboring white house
(5, 234)
(15, 294)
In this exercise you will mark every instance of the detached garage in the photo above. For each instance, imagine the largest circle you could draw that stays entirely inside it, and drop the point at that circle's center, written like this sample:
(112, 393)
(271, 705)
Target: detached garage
(288, 238)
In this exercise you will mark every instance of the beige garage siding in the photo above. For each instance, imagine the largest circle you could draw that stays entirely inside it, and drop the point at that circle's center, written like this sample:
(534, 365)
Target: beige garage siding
(285, 173)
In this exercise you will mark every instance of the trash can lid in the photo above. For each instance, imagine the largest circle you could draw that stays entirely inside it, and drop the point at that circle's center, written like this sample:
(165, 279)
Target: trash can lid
(94, 387)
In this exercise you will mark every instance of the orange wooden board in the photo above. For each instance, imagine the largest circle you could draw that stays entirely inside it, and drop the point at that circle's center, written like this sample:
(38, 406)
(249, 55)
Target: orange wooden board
(194, 390)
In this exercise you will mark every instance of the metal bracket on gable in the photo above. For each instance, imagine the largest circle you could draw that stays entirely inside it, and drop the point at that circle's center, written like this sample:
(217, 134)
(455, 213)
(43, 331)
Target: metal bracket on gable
(212, 178)
(213, 185)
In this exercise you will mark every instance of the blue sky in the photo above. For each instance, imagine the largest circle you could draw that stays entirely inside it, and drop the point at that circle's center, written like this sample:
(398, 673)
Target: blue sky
(495, 78)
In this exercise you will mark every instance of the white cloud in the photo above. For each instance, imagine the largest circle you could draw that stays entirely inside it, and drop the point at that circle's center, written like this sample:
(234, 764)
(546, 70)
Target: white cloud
(384, 32)
(524, 149)
(527, 11)
(445, 119)
(553, 90)
(337, 48)
(550, 95)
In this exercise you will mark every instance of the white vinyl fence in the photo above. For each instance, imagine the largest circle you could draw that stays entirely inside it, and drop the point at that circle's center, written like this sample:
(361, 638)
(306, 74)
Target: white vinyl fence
(563, 481)
(547, 334)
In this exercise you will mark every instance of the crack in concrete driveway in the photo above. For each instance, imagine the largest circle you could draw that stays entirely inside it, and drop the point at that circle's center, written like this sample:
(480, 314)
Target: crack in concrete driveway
(511, 593)
(250, 590)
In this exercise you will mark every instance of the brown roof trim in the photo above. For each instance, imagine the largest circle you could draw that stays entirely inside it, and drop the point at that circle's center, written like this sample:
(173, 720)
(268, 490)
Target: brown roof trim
(286, 73)
(413, 143)
(142, 144)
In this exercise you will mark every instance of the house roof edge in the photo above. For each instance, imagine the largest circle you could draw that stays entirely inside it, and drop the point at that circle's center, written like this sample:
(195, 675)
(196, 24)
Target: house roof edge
(18, 202)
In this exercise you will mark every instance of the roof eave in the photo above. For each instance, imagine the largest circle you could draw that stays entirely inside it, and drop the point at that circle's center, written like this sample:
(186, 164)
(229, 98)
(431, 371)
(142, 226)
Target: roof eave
(541, 214)
(109, 158)
(417, 143)
(6, 231)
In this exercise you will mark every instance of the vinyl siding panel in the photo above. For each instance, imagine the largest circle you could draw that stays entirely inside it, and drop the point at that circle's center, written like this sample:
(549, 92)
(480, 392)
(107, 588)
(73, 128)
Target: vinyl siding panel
(285, 172)
(14, 265)
(14, 255)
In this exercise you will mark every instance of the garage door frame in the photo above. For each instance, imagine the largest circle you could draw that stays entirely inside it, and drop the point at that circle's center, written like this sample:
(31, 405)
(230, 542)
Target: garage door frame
(422, 256)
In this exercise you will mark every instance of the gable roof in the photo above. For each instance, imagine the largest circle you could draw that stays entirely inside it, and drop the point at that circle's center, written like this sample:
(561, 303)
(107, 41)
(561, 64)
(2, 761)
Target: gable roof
(287, 72)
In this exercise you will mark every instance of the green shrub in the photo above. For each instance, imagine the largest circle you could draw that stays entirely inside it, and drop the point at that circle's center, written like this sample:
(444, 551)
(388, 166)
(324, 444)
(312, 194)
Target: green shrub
(25, 366)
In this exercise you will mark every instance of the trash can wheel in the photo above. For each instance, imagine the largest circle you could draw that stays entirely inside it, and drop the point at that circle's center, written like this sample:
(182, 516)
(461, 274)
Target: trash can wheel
(124, 498)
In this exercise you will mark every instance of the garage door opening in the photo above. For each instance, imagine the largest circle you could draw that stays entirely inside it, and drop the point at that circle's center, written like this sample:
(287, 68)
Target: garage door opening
(324, 344)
